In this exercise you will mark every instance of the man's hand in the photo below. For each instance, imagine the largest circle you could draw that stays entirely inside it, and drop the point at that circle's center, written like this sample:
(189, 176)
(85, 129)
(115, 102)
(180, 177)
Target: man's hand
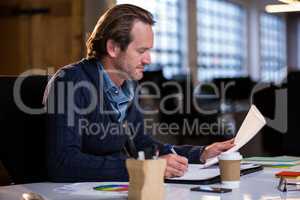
(216, 148)
(176, 165)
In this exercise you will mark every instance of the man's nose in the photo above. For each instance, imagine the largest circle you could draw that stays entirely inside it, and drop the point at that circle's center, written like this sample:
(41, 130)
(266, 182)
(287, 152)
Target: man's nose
(147, 58)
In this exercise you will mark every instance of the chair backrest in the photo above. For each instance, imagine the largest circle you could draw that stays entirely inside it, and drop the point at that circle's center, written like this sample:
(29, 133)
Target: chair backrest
(272, 140)
(22, 143)
(291, 140)
(238, 88)
(4, 177)
(276, 142)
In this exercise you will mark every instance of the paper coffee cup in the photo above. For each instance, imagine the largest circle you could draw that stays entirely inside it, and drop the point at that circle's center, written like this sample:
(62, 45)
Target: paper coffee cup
(230, 167)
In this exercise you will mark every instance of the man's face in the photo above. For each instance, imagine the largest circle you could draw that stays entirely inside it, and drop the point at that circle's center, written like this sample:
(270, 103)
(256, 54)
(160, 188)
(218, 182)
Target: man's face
(137, 55)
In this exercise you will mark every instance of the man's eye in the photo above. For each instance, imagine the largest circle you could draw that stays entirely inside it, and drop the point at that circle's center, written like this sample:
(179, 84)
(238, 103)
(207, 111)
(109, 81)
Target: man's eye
(141, 51)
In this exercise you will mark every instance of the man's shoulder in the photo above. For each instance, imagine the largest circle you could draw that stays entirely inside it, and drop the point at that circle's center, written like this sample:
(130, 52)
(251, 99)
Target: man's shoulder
(74, 71)
(75, 68)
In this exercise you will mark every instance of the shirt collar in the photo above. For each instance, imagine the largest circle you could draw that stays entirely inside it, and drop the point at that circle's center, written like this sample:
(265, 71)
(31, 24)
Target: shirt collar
(117, 94)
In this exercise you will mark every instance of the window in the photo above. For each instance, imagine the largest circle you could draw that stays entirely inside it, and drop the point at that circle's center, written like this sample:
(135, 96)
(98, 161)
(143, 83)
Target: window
(272, 48)
(221, 39)
(168, 34)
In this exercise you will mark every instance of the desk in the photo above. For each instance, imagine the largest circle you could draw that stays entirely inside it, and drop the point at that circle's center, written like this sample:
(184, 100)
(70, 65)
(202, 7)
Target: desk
(257, 186)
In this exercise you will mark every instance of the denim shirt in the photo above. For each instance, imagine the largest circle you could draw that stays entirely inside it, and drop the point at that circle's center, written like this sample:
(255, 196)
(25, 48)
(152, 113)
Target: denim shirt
(119, 97)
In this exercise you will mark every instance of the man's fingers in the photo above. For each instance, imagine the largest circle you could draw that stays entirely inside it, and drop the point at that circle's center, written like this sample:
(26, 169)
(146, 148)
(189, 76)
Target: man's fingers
(183, 163)
(216, 148)
(231, 141)
(226, 145)
(216, 152)
(168, 174)
(178, 163)
(182, 160)
(172, 172)
(230, 145)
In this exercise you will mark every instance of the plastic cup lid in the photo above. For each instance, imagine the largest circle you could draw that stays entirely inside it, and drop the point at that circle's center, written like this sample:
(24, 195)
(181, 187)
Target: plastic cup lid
(230, 156)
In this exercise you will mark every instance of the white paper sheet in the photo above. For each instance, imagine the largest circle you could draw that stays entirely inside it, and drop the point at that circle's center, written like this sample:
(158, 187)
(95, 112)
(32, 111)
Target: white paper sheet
(196, 172)
(251, 125)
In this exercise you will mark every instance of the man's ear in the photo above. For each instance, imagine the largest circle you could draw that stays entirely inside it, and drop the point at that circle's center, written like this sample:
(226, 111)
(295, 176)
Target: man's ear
(112, 48)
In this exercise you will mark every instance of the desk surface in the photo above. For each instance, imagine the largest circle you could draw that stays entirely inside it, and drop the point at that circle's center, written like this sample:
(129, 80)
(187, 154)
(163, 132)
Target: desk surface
(257, 186)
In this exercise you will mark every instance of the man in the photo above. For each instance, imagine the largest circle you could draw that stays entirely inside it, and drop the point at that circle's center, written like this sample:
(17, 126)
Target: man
(89, 102)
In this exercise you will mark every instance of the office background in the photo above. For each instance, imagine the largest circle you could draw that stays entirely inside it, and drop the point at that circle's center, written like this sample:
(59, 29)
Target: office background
(196, 41)
(213, 38)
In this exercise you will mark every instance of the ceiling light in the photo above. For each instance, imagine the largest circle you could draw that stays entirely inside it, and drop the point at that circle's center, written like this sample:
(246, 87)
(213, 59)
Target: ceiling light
(289, 1)
(292, 7)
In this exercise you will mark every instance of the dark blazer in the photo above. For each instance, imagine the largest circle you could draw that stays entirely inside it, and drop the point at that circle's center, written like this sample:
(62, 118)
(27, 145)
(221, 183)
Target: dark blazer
(89, 145)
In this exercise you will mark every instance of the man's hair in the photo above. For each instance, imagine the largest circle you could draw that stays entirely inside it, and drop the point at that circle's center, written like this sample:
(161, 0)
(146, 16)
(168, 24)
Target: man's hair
(116, 24)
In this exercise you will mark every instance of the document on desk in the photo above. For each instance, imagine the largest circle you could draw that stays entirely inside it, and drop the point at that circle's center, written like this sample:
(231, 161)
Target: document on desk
(196, 172)
(251, 125)
(276, 161)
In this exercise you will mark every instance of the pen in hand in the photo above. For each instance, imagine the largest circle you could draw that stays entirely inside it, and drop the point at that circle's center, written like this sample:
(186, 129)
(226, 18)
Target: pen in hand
(177, 165)
(173, 150)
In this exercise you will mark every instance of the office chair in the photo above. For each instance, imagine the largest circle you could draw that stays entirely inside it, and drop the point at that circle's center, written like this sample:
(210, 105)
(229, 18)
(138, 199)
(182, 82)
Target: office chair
(22, 143)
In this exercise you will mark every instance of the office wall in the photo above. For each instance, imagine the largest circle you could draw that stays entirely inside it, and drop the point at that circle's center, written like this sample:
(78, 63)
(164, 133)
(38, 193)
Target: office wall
(39, 34)
(293, 41)
(93, 9)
